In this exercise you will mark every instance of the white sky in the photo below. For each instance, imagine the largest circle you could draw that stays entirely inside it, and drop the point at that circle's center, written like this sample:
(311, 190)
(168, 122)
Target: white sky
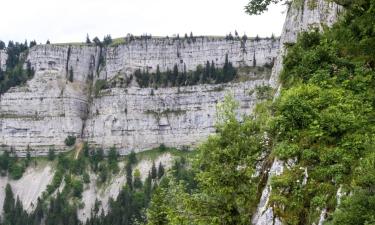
(71, 20)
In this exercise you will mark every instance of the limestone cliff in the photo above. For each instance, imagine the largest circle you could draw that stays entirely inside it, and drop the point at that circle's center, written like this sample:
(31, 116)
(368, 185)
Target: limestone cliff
(3, 59)
(166, 52)
(58, 100)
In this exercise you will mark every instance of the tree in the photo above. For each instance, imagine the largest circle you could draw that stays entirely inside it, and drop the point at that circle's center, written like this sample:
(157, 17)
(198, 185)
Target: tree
(51, 154)
(107, 40)
(154, 172)
(129, 175)
(33, 43)
(112, 159)
(70, 140)
(160, 171)
(48, 42)
(5, 161)
(2, 45)
(9, 199)
(257, 7)
(158, 76)
(88, 41)
(132, 158)
(137, 179)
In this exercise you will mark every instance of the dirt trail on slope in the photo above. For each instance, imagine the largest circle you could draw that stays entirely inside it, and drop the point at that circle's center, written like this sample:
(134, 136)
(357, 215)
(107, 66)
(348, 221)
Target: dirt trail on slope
(79, 148)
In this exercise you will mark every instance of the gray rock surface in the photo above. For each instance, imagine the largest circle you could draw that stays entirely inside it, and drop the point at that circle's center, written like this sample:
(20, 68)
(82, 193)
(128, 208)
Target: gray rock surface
(3, 59)
(149, 53)
(49, 107)
(135, 119)
(29, 187)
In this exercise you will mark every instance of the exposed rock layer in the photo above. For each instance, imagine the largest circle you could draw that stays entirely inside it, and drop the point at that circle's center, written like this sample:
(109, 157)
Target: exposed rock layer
(58, 102)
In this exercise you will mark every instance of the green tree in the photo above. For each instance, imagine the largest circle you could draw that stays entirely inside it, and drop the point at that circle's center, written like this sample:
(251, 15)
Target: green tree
(51, 154)
(132, 158)
(2, 45)
(107, 40)
(161, 171)
(154, 172)
(137, 179)
(70, 140)
(88, 41)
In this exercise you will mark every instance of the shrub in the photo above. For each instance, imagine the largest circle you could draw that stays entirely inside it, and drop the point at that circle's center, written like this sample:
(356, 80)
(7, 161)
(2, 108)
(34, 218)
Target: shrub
(51, 154)
(162, 148)
(100, 85)
(16, 171)
(70, 140)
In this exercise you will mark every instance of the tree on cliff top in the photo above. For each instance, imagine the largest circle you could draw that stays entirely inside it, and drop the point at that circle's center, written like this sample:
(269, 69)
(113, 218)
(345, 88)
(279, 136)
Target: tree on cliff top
(88, 41)
(257, 7)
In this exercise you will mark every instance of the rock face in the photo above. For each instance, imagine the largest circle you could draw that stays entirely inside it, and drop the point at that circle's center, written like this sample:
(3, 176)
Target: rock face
(42, 113)
(57, 101)
(310, 14)
(137, 119)
(3, 59)
(149, 53)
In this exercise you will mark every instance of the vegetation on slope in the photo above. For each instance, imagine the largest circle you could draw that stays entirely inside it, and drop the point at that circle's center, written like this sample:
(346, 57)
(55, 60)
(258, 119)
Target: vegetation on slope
(15, 74)
(61, 201)
(323, 122)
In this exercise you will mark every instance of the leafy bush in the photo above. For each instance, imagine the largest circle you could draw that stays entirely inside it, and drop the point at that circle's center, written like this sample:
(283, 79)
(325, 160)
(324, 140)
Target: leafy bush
(100, 85)
(70, 140)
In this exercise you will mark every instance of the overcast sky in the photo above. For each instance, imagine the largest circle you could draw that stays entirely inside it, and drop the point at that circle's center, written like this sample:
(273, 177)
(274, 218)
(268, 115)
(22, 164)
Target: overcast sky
(70, 20)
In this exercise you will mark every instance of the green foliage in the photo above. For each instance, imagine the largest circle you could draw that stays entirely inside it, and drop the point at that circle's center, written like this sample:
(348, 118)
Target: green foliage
(264, 92)
(112, 159)
(16, 170)
(221, 188)
(70, 140)
(12, 165)
(100, 85)
(323, 120)
(15, 74)
(107, 40)
(154, 172)
(257, 7)
(51, 154)
(132, 158)
(161, 171)
(209, 74)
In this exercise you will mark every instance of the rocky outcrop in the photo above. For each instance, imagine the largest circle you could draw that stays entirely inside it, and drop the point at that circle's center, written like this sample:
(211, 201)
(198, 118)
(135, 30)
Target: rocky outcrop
(3, 59)
(57, 101)
(303, 16)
